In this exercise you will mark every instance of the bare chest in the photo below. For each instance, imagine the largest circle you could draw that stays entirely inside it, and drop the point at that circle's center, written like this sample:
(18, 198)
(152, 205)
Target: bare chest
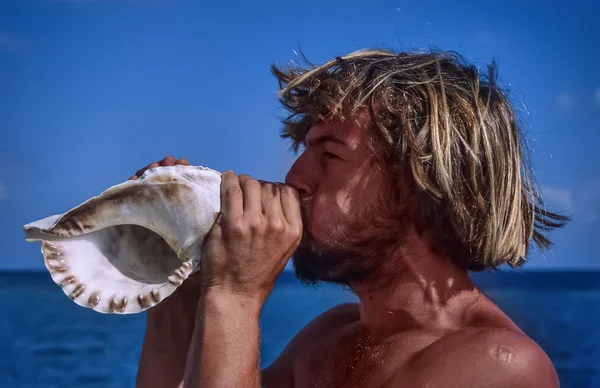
(356, 359)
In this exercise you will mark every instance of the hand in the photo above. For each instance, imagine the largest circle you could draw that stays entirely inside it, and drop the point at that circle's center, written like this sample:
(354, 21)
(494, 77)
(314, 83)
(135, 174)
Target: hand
(258, 229)
(167, 161)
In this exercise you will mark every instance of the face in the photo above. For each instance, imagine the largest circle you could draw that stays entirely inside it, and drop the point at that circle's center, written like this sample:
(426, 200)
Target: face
(350, 212)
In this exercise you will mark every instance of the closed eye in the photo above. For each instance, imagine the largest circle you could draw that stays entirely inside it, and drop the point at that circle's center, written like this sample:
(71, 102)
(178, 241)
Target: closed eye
(329, 155)
(326, 157)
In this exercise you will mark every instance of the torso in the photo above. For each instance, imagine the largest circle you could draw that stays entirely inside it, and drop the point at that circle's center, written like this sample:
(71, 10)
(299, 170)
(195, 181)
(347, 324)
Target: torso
(340, 352)
(352, 357)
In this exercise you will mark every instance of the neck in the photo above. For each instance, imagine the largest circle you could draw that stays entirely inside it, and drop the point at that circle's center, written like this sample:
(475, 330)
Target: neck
(430, 291)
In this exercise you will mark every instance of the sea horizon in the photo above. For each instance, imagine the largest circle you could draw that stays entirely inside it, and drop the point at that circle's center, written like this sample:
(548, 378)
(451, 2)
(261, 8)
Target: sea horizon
(571, 279)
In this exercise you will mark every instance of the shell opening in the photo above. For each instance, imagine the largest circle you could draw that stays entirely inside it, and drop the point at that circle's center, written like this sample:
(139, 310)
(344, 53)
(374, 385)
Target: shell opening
(122, 269)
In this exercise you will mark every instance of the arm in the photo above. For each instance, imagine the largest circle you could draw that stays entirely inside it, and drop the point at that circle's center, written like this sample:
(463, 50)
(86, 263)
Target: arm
(169, 328)
(225, 344)
(248, 246)
(263, 222)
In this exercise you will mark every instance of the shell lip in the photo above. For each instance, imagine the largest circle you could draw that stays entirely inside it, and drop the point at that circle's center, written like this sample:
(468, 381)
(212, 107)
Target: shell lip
(93, 297)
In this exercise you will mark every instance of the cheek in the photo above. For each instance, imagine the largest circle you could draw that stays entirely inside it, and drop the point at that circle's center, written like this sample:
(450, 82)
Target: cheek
(325, 215)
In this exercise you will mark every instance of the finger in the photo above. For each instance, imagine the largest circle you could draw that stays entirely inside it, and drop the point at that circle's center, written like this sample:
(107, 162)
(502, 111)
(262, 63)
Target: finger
(182, 161)
(271, 202)
(232, 201)
(132, 178)
(290, 204)
(216, 229)
(168, 161)
(252, 196)
(141, 171)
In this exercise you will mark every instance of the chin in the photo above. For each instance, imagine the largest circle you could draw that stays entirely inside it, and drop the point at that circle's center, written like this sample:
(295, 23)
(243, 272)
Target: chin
(316, 261)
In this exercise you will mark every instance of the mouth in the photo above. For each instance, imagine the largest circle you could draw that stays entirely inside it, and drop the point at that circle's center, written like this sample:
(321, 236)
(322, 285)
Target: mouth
(304, 213)
(306, 228)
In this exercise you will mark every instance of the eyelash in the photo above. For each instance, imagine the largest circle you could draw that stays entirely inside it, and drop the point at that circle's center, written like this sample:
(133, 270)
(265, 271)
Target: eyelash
(329, 154)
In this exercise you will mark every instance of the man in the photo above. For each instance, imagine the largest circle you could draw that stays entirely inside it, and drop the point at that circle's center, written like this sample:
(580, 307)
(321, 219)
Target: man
(412, 174)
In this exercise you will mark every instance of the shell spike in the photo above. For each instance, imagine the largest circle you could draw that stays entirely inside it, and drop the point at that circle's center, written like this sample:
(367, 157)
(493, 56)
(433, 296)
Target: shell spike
(130, 247)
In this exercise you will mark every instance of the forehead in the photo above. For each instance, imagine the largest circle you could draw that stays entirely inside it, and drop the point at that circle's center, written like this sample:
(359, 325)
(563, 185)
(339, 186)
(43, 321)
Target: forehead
(349, 134)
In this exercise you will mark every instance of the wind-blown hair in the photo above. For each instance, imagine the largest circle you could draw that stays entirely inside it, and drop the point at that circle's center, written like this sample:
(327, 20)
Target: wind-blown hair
(447, 127)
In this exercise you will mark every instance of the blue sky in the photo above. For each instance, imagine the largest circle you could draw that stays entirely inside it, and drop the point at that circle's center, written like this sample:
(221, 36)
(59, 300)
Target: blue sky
(92, 90)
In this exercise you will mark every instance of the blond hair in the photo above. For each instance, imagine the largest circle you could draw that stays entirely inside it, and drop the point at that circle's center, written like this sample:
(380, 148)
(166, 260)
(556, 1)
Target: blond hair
(450, 128)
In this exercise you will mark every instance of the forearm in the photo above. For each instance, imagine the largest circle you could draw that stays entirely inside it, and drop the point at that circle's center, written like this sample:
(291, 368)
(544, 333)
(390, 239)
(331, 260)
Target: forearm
(225, 345)
(169, 329)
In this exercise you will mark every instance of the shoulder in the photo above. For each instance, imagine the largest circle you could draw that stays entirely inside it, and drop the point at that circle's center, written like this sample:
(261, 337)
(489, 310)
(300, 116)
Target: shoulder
(322, 326)
(326, 322)
(485, 357)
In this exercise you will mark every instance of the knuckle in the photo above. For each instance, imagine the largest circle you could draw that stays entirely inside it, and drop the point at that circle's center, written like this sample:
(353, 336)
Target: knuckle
(236, 227)
(268, 186)
(276, 226)
(269, 189)
(232, 191)
(295, 230)
(229, 179)
(255, 225)
(289, 190)
(251, 183)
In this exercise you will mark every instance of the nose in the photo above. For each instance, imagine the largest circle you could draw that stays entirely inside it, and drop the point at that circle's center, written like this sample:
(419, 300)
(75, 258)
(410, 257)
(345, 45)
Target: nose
(295, 179)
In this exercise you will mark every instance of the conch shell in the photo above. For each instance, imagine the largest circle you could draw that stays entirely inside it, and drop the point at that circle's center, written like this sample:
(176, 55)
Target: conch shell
(130, 247)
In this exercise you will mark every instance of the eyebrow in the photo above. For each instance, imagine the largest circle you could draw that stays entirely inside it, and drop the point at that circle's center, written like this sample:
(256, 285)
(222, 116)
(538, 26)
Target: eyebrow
(324, 139)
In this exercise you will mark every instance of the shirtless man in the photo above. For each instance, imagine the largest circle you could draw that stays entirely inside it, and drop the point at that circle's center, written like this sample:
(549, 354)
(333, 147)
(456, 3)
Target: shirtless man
(411, 174)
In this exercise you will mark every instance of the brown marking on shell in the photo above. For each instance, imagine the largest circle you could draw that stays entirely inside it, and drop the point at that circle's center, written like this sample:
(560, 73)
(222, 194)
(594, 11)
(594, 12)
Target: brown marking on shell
(77, 291)
(51, 256)
(143, 301)
(54, 263)
(56, 268)
(170, 187)
(134, 193)
(81, 219)
(116, 306)
(173, 191)
(68, 280)
(94, 299)
(76, 221)
(124, 304)
(155, 295)
(160, 178)
(51, 251)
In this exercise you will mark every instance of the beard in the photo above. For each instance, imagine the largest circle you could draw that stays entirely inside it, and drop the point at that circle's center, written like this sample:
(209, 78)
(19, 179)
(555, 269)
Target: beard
(368, 242)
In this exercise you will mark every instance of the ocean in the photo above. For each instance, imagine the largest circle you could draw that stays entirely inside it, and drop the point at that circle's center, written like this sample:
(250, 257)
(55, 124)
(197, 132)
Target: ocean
(48, 341)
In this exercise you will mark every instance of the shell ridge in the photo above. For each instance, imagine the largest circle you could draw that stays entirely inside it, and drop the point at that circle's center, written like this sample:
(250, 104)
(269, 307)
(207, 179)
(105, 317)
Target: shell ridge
(85, 252)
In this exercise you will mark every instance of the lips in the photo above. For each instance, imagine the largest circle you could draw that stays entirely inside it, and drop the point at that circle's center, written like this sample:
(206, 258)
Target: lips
(304, 212)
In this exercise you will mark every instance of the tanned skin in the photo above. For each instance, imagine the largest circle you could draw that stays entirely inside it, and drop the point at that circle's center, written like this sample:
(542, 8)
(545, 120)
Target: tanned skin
(428, 327)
